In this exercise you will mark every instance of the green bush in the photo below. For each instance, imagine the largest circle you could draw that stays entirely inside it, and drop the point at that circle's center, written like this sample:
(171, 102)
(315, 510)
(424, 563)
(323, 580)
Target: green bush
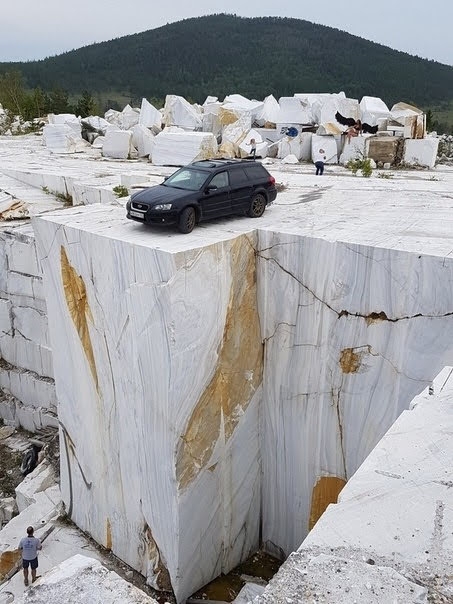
(120, 191)
(364, 165)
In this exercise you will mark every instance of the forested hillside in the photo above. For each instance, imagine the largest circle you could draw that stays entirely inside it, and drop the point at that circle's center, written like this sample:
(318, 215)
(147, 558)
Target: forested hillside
(224, 54)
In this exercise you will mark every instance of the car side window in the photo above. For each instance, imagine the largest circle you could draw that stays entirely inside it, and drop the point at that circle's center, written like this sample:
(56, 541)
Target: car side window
(220, 180)
(256, 172)
(238, 177)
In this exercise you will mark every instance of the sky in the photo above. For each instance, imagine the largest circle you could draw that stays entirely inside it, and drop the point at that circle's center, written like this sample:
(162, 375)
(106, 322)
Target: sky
(50, 27)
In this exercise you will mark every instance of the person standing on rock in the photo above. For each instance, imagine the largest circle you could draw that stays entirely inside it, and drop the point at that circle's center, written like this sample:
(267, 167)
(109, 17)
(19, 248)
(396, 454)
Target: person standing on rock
(252, 144)
(29, 547)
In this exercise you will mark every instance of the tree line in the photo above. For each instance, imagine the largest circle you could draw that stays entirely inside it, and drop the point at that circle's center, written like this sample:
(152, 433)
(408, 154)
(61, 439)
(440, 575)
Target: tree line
(38, 103)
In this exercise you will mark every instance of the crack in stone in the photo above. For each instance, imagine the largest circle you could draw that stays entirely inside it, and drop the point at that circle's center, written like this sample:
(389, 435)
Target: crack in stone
(336, 404)
(277, 327)
(6, 366)
(370, 318)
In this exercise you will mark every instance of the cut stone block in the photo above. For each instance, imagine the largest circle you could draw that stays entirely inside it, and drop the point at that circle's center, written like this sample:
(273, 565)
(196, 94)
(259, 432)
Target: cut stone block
(62, 138)
(385, 149)
(270, 112)
(236, 106)
(181, 148)
(143, 140)
(421, 152)
(329, 144)
(372, 108)
(227, 443)
(150, 117)
(117, 144)
(356, 149)
(179, 112)
(299, 146)
(129, 117)
(42, 478)
(294, 110)
(415, 126)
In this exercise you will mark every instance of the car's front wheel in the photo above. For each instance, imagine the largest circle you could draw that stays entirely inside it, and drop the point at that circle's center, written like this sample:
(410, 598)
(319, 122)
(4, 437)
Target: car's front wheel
(257, 206)
(187, 219)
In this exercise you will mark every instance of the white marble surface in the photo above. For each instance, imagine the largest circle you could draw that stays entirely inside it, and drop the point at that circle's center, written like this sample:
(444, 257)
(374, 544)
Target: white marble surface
(394, 515)
(179, 112)
(421, 152)
(141, 382)
(181, 148)
(366, 329)
(327, 245)
(81, 578)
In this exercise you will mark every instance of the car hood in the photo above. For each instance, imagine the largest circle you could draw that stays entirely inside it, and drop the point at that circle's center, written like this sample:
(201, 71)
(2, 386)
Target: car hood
(160, 194)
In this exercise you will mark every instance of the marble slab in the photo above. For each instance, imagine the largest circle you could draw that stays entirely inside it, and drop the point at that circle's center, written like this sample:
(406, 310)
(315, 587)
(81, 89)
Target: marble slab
(163, 393)
(393, 516)
(80, 578)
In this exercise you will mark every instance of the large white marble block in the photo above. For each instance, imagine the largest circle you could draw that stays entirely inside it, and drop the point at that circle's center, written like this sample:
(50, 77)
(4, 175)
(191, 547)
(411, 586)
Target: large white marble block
(299, 146)
(373, 108)
(65, 118)
(129, 117)
(236, 106)
(235, 134)
(179, 112)
(181, 148)
(270, 112)
(143, 140)
(392, 517)
(150, 117)
(356, 148)
(62, 138)
(421, 152)
(118, 144)
(294, 110)
(328, 144)
(366, 330)
(163, 392)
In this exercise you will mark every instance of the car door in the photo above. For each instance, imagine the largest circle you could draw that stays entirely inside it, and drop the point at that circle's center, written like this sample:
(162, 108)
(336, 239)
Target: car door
(241, 187)
(215, 199)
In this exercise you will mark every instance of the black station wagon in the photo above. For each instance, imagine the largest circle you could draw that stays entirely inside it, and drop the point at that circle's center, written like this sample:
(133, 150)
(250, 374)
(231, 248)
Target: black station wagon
(204, 190)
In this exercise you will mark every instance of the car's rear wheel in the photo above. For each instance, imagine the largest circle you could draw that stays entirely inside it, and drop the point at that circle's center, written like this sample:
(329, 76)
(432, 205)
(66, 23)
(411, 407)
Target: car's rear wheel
(257, 206)
(187, 220)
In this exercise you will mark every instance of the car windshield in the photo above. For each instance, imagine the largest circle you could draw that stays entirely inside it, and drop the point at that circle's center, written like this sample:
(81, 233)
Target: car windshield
(188, 179)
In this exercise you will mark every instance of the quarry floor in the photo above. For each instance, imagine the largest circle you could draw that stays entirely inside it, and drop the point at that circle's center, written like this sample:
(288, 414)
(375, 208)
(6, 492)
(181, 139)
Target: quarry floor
(400, 209)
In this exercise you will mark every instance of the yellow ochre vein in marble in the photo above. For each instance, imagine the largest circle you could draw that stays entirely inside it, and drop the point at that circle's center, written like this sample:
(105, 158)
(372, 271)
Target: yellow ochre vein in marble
(238, 373)
(79, 309)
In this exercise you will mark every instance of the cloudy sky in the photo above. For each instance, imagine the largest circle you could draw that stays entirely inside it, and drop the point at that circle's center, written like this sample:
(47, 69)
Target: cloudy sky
(50, 27)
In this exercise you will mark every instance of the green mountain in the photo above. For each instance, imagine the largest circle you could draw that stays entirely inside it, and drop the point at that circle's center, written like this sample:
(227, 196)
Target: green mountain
(224, 54)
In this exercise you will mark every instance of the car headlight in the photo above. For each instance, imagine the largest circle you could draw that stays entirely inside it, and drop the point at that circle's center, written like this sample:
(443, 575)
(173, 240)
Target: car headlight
(162, 206)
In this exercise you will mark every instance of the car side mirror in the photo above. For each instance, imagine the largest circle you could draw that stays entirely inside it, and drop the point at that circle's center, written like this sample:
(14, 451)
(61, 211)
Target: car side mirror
(166, 178)
(211, 188)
